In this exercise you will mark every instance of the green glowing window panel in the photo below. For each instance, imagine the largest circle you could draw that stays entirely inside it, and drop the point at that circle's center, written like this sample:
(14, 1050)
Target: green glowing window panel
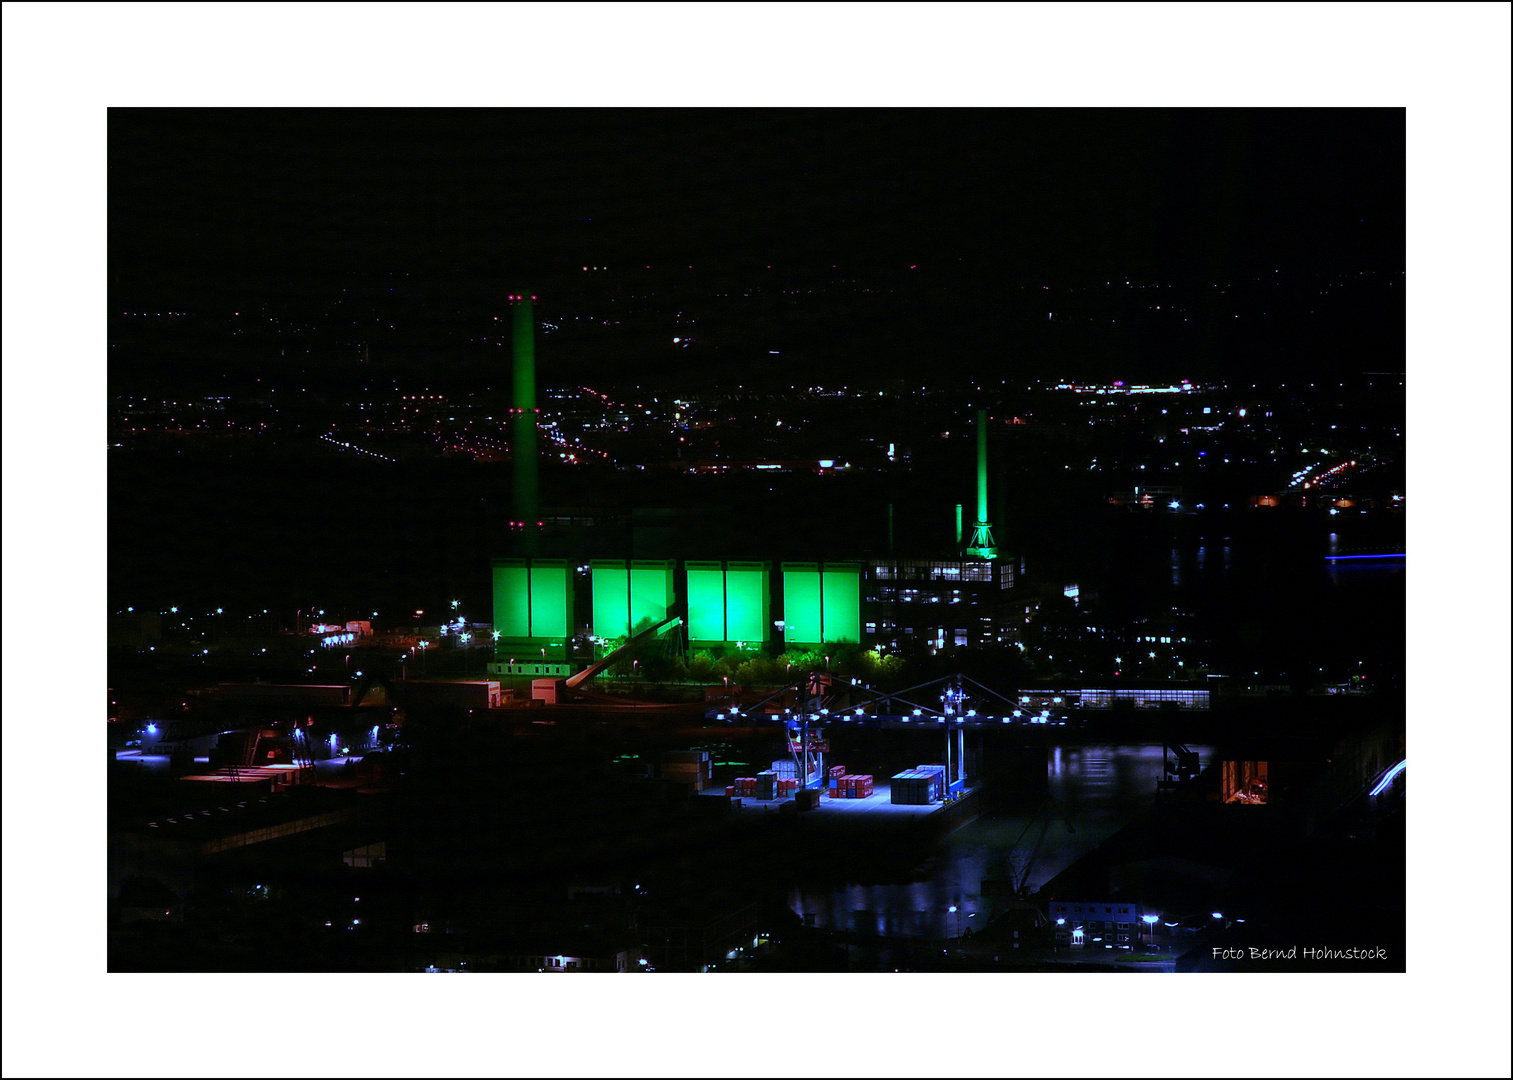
(706, 601)
(746, 605)
(801, 604)
(651, 590)
(611, 585)
(842, 602)
(512, 598)
(551, 599)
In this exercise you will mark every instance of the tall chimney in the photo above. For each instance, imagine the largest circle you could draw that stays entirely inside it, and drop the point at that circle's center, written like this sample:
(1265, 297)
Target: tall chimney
(982, 546)
(523, 415)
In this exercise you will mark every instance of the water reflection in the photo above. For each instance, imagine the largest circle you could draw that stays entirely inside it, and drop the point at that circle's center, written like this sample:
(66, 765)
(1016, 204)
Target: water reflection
(1092, 792)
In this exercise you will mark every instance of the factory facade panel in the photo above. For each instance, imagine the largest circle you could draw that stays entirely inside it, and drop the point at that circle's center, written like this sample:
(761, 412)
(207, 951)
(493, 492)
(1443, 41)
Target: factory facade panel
(551, 599)
(533, 605)
(611, 588)
(512, 598)
(801, 604)
(706, 603)
(652, 592)
(821, 607)
(728, 603)
(841, 585)
(748, 612)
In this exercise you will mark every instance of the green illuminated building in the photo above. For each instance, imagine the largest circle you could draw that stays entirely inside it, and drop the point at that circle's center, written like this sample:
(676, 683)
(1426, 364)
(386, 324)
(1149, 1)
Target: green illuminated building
(627, 595)
(652, 592)
(728, 604)
(706, 603)
(821, 606)
(533, 608)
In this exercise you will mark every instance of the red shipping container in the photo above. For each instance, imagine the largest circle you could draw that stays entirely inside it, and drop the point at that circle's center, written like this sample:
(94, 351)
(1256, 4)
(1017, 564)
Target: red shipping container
(730, 790)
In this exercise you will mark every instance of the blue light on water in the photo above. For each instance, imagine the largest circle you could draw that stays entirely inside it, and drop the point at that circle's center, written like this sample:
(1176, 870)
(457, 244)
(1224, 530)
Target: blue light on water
(1387, 555)
(1392, 774)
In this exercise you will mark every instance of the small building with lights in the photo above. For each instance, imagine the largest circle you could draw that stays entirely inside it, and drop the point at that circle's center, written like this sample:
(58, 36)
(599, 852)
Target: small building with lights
(1082, 924)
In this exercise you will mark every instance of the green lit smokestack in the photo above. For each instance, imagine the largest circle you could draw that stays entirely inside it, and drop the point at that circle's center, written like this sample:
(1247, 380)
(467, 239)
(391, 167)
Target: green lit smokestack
(982, 546)
(523, 415)
(959, 534)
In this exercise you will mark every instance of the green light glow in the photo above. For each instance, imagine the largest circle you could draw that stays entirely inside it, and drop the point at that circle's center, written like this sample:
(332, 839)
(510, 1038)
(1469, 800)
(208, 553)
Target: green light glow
(747, 609)
(801, 604)
(706, 601)
(551, 599)
(512, 603)
(982, 546)
(982, 465)
(842, 592)
(533, 607)
(523, 420)
(626, 598)
(611, 587)
(651, 589)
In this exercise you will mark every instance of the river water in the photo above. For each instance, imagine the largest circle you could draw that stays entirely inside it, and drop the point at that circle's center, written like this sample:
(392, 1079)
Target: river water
(1093, 791)
(1277, 598)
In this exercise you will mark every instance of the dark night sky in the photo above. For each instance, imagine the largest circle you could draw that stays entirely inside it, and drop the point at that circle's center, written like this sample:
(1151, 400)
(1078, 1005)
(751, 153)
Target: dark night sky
(209, 202)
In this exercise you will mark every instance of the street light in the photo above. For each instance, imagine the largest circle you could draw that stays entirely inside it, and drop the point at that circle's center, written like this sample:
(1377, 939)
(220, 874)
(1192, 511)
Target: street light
(1150, 922)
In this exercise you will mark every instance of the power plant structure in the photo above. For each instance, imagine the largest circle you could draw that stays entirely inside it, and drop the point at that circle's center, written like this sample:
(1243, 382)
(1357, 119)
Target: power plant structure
(982, 546)
(524, 416)
(558, 622)
(543, 604)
